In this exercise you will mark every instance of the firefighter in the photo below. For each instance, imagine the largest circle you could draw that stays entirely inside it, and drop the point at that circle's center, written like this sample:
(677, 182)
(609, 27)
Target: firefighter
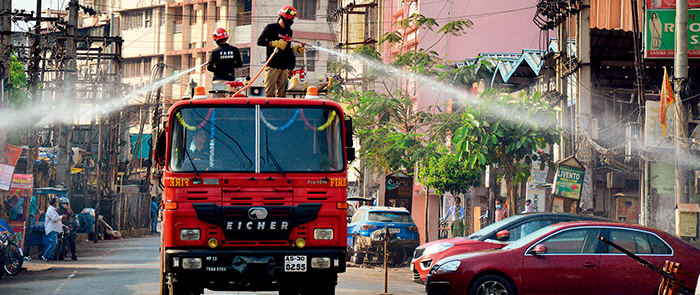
(277, 70)
(225, 59)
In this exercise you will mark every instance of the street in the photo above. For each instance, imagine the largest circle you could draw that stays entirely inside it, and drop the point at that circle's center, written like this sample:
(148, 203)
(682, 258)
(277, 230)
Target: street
(130, 266)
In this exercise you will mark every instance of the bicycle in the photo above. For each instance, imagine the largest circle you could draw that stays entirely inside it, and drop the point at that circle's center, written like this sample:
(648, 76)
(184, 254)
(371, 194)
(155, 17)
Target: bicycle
(443, 230)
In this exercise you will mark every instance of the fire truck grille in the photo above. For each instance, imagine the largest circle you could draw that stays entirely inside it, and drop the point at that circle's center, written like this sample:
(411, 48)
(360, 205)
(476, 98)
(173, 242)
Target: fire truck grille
(257, 222)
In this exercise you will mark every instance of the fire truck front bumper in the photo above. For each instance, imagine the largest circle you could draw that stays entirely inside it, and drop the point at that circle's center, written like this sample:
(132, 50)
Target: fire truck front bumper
(253, 267)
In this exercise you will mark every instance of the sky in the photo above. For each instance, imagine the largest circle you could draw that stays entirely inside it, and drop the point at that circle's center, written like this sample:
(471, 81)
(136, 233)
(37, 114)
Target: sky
(30, 5)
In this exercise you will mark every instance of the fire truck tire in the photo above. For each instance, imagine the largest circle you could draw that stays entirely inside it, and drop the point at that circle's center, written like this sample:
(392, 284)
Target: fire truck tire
(178, 288)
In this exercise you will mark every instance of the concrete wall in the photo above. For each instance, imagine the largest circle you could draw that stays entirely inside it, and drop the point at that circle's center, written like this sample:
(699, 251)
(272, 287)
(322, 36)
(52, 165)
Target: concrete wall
(661, 198)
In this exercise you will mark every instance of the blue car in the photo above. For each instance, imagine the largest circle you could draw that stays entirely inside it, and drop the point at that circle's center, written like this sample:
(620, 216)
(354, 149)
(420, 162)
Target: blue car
(366, 235)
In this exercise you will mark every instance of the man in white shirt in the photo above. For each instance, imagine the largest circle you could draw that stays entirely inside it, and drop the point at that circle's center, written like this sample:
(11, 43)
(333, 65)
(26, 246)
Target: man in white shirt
(456, 215)
(52, 226)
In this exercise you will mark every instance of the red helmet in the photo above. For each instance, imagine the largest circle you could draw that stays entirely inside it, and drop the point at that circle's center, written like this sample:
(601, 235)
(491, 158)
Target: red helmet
(220, 33)
(287, 12)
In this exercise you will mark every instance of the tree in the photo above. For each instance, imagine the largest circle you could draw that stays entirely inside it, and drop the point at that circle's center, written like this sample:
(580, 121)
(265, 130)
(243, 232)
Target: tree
(19, 98)
(447, 173)
(506, 131)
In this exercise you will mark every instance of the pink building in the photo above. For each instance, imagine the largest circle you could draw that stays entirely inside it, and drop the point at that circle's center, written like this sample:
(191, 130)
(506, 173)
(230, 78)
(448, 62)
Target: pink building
(498, 26)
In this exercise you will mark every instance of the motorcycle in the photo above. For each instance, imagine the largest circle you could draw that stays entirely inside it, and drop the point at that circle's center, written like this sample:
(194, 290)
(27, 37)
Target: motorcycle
(63, 243)
(10, 256)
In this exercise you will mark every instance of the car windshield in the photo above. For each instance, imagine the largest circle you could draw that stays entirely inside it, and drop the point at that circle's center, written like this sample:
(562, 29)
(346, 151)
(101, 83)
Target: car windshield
(389, 217)
(224, 139)
(481, 234)
(529, 238)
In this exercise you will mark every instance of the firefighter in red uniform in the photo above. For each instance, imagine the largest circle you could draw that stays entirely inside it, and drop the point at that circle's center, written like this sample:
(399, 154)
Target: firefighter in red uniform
(278, 69)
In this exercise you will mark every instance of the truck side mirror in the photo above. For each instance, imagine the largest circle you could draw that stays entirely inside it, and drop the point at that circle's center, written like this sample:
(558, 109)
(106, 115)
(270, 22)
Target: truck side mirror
(349, 149)
(159, 150)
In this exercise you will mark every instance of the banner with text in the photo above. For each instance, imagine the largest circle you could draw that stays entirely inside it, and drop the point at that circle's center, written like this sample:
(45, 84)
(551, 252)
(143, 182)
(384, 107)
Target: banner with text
(653, 4)
(660, 33)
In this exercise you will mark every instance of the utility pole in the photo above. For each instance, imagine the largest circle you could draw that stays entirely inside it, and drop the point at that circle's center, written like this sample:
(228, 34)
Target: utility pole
(67, 99)
(680, 73)
(34, 80)
(5, 49)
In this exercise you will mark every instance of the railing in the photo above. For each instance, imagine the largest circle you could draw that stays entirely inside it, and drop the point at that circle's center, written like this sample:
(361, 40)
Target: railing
(244, 18)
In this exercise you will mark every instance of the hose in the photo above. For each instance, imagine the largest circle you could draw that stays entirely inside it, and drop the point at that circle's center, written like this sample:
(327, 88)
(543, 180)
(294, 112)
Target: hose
(258, 75)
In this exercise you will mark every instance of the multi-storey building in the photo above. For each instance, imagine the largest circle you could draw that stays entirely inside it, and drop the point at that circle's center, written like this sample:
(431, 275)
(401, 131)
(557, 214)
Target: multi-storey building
(178, 34)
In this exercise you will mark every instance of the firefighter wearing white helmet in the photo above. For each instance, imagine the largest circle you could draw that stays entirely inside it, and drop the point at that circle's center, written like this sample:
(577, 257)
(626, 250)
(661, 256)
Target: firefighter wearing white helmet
(283, 61)
(225, 59)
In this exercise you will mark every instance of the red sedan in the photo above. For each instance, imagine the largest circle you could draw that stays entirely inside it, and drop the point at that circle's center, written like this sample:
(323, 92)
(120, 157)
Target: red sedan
(566, 258)
(494, 236)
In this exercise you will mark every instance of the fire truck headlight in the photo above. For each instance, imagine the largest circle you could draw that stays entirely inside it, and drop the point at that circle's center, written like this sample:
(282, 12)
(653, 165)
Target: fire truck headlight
(189, 234)
(191, 263)
(323, 234)
(320, 262)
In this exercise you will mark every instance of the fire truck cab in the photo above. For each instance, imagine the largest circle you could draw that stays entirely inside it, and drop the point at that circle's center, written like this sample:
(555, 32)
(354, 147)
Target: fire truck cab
(254, 195)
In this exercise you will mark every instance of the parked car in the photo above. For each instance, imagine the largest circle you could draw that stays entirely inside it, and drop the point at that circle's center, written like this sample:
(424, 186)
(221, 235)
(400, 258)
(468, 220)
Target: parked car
(494, 236)
(366, 234)
(566, 258)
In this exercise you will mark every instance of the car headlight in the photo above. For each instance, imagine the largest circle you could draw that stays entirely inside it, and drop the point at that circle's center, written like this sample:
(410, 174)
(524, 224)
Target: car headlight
(448, 267)
(437, 248)
(323, 234)
(189, 234)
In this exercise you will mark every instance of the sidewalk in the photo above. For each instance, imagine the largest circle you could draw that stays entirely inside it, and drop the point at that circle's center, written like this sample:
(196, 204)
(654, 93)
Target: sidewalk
(87, 251)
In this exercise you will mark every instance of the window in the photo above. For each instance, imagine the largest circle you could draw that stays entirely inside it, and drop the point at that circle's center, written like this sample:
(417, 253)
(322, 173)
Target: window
(132, 20)
(573, 241)
(178, 27)
(218, 13)
(390, 217)
(637, 242)
(148, 18)
(205, 15)
(332, 6)
(306, 9)
(193, 15)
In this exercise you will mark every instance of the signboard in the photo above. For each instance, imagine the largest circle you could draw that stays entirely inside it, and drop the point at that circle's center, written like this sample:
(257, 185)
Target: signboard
(653, 4)
(538, 175)
(6, 172)
(660, 33)
(20, 195)
(12, 154)
(568, 182)
(536, 196)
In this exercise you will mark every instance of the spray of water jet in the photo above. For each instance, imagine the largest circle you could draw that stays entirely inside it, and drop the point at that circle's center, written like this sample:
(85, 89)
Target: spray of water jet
(428, 84)
(43, 114)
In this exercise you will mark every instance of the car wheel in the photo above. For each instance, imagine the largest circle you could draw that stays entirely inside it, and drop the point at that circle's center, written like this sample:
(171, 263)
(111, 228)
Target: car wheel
(491, 284)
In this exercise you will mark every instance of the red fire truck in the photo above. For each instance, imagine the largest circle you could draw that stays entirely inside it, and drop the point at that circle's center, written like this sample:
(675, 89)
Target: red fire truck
(254, 195)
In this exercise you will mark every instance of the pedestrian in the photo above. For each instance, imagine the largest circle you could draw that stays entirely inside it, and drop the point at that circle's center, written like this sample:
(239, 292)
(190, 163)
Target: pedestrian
(225, 59)
(529, 207)
(52, 226)
(273, 37)
(455, 214)
(70, 221)
(501, 211)
(154, 216)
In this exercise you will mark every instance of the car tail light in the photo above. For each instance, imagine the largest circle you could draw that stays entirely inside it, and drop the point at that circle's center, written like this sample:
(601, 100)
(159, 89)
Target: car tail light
(412, 228)
(368, 226)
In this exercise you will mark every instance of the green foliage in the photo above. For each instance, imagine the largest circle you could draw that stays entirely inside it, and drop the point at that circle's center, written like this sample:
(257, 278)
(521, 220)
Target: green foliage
(506, 131)
(449, 174)
(394, 135)
(19, 97)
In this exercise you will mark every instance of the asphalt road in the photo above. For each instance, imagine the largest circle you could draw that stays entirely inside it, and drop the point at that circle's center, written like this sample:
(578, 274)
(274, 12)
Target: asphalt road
(130, 266)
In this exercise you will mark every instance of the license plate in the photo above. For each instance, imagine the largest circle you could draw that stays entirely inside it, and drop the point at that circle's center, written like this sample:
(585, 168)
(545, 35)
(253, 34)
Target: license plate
(295, 263)
(394, 230)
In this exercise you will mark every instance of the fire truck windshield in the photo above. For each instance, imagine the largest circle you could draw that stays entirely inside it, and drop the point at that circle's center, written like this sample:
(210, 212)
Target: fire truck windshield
(223, 139)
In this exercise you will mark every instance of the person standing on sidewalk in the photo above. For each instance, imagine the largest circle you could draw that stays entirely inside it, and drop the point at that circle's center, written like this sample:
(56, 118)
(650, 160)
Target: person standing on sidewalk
(154, 216)
(52, 226)
(456, 215)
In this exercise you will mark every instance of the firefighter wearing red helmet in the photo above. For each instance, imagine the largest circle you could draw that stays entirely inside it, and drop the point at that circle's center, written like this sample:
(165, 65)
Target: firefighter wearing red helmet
(278, 69)
(224, 60)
